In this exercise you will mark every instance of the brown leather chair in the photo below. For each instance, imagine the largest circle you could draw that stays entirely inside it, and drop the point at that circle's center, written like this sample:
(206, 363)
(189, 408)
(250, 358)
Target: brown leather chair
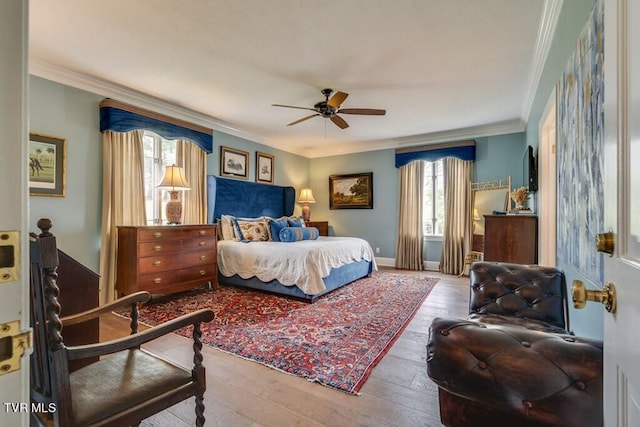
(127, 384)
(513, 361)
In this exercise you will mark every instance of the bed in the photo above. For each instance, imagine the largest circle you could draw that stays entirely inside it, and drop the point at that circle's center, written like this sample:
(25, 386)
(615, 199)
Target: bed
(313, 267)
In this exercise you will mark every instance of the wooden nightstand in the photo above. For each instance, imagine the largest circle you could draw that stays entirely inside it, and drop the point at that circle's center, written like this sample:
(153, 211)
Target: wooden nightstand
(322, 226)
(166, 259)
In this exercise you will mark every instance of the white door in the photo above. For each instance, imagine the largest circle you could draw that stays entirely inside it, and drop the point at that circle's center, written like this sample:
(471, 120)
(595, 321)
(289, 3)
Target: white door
(14, 253)
(622, 211)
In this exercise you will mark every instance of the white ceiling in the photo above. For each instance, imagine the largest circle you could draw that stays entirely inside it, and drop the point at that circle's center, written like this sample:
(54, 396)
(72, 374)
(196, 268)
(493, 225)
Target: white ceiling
(443, 69)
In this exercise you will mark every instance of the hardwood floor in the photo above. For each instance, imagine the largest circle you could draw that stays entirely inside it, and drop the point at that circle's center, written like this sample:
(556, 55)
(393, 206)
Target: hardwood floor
(242, 393)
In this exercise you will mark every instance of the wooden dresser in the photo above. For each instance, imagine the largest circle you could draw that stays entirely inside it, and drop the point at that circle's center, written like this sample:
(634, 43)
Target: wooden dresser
(322, 226)
(511, 238)
(166, 259)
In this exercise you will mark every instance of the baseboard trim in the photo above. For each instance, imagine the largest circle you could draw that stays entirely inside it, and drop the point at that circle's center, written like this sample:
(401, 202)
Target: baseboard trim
(391, 262)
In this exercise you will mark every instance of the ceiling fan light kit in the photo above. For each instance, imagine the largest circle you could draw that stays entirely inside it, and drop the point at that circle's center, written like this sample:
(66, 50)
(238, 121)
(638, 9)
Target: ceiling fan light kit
(330, 108)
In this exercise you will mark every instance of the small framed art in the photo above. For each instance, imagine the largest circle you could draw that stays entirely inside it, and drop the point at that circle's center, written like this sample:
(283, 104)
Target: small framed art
(354, 191)
(47, 165)
(264, 167)
(234, 163)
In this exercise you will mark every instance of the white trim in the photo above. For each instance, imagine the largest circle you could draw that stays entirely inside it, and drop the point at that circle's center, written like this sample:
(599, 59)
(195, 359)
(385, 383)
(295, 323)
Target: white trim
(386, 262)
(391, 262)
(548, 23)
(431, 265)
(121, 93)
(547, 178)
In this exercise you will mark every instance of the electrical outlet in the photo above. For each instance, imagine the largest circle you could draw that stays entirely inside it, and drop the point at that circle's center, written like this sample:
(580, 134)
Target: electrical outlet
(377, 250)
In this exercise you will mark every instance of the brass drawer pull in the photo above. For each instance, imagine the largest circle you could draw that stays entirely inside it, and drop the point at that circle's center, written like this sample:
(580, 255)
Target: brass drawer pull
(202, 272)
(157, 280)
(203, 257)
(203, 243)
(202, 232)
(157, 248)
(157, 234)
(157, 263)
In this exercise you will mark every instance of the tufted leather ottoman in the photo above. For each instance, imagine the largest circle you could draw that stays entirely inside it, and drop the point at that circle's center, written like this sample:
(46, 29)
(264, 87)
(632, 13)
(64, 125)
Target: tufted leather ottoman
(513, 362)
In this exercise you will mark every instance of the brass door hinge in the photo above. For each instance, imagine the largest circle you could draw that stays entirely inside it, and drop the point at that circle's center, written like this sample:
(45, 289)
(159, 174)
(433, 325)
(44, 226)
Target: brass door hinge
(13, 344)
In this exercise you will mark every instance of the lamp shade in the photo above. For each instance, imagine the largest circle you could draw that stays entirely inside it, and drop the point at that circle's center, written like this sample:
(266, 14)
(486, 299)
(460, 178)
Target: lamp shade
(306, 196)
(174, 179)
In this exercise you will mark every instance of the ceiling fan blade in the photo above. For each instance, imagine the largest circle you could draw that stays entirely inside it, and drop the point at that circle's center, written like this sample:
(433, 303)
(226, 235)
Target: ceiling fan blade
(291, 106)
(339, 121)
(363, 111)
(337, 99)
(302, 119)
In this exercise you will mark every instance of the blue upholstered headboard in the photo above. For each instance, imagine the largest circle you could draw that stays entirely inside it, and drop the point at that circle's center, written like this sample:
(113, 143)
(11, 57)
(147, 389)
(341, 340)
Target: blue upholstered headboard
(247, 199)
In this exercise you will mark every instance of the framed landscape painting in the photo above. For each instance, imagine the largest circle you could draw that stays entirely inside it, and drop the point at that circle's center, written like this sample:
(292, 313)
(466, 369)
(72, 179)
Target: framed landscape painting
(264, 168)
(353, 191)
(234, 163)
(47, 165)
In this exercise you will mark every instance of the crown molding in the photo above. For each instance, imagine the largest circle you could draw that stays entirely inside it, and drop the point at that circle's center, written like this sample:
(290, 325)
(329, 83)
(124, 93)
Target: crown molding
(548, 23)
(125, 94)
(501, 128)
(140, 99)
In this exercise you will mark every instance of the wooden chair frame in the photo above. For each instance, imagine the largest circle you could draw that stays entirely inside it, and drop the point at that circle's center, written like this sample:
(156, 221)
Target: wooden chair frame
(50, 377)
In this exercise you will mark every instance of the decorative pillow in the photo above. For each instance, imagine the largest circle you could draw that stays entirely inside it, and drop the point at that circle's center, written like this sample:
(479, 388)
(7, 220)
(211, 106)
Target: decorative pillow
(294, 234)
(275, 225)
(227, 228)
(253, 230)
(295, 221)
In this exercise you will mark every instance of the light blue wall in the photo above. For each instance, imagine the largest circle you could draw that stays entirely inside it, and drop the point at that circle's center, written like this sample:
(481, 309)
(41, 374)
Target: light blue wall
(72, 114)
(496, 157)
(589, 320)
(62, 111)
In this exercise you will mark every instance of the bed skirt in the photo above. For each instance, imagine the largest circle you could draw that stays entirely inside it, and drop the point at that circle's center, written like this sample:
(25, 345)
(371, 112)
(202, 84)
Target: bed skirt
(337, 278)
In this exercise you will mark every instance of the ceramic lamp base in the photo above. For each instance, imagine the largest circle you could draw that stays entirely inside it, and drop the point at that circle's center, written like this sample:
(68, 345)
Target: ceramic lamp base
(174, 209)
(306, 212)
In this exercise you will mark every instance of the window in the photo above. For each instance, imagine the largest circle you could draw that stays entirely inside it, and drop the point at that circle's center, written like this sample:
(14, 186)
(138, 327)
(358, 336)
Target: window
(158, 153)
(433, 196)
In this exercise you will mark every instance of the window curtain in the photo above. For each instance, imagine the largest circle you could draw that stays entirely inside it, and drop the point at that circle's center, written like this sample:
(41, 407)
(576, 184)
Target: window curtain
(457, 223)
(409, 246)
(123, 201)
(194, 163)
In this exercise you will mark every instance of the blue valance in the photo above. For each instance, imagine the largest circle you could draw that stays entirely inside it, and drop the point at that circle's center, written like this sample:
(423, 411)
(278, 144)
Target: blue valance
(465, 150)
(120, 117)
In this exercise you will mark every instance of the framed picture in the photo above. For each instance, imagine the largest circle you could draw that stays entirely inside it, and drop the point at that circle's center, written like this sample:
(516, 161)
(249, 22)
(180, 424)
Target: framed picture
(353, 191)
(47, 165)
(264, 167)
(234, 163)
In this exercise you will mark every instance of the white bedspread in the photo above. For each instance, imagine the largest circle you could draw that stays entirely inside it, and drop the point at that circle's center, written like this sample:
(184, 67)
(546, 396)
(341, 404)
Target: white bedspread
(302, 263)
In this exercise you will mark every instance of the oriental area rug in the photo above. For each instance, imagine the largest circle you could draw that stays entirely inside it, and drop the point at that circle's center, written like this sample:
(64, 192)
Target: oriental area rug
(336, 341)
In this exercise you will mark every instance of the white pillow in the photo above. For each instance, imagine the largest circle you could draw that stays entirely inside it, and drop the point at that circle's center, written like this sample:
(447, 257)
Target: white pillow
(227, 228)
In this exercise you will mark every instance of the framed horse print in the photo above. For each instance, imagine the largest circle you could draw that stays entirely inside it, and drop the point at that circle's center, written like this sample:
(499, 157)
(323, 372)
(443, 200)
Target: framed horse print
(47, 165)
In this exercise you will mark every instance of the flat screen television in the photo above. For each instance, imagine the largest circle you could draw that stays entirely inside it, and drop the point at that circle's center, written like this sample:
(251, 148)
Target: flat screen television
(530, 170)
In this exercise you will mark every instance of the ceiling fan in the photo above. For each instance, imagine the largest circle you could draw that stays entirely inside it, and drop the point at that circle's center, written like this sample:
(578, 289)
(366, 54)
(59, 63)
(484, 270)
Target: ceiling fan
(330, 108)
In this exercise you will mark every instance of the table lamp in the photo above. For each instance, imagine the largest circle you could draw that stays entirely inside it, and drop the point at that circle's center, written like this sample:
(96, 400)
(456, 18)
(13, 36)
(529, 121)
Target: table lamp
(174, 181)
(306, 197)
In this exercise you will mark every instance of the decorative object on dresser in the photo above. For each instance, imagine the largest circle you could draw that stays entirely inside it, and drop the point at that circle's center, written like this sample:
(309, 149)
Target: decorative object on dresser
(354, 191)
(164, 260)
(322, 226)
(264, 167)
(173, 181)
(306, 197)
(234, 163)
(511, 238)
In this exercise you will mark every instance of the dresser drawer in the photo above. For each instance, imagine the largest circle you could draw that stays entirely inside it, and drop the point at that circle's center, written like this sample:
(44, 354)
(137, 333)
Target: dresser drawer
(151, 281)
(168, 246)
(153, 264)
(164, 233)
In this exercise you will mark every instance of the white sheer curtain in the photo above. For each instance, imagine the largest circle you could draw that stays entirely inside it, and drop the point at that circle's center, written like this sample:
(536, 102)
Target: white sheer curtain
(194, 162)
(409, 252)
(457, 205)
(123, 201)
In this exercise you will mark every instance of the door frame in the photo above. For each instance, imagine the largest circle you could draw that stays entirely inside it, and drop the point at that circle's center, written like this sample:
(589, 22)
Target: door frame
(548, 183)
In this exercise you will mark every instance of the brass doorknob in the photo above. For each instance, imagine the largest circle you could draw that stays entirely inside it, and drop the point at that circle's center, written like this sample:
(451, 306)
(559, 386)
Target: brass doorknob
(604, 243)
(606, 296)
